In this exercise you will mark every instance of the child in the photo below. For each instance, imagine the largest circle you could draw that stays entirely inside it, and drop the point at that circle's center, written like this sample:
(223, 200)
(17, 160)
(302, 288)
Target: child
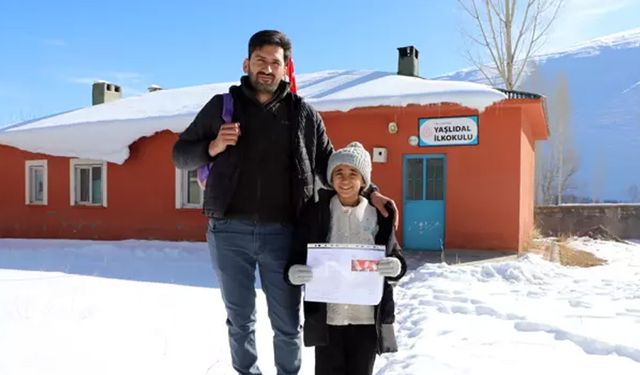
(347, 337)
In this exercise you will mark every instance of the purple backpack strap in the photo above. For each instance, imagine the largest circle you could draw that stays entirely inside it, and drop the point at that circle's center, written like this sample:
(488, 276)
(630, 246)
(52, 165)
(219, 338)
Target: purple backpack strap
(227, 107)
(227, 117)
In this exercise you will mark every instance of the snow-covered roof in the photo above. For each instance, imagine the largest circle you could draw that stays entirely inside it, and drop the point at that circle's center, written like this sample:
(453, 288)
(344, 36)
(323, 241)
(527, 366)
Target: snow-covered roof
(105, 131)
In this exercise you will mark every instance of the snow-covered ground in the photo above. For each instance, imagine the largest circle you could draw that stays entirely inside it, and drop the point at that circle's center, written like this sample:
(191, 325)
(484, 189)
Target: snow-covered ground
(135, 307)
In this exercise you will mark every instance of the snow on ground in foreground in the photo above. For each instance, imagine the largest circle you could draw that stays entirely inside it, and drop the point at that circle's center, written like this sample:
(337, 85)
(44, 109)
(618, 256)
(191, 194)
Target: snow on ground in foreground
(147, 307)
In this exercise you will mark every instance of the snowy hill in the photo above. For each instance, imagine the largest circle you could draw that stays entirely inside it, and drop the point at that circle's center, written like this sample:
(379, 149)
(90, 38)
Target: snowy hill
(604, 84)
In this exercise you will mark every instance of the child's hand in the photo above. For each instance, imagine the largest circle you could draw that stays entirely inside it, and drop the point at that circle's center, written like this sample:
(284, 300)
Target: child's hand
(389, 267)
(300, 274)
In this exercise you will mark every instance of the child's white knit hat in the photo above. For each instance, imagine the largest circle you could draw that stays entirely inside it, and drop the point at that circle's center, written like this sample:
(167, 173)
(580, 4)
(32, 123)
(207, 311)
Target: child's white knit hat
(355, 155)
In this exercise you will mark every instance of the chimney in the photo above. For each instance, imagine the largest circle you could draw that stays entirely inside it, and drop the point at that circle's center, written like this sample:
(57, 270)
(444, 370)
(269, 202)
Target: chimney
(408, 61)
(153, 88)
(105, 92)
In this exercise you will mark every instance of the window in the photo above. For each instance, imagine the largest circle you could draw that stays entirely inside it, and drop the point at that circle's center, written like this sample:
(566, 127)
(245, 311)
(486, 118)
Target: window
(435, 179)
(35, 182)
(88, 182)
(414, 179)
(188, 192)
(424, 179)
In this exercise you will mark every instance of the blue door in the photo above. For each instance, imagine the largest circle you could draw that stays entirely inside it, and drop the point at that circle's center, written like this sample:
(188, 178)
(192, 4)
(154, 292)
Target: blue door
(423, 203)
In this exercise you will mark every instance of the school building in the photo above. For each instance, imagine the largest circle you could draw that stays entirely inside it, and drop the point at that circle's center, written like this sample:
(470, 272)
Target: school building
(457, 157)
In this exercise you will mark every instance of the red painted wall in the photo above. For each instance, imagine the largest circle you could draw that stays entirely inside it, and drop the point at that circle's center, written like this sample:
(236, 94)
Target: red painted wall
(527, 181)
(141, 199)
(484, 199)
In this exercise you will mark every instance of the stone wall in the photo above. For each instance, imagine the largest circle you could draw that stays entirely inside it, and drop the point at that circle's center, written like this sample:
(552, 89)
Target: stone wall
(623, 220)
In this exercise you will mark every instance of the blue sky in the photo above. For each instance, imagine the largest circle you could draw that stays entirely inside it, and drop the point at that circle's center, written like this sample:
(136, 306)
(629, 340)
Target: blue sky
(53, 50)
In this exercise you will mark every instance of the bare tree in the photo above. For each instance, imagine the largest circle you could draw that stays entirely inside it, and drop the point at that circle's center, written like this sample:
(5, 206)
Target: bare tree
(544, 179)
(599, 175)
(553, 179)
(556, 158)
(633, 192)
(565, 155)
(509, 32)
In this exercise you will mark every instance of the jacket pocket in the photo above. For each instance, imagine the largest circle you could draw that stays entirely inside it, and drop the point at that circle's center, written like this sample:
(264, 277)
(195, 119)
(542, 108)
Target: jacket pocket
(216, 223)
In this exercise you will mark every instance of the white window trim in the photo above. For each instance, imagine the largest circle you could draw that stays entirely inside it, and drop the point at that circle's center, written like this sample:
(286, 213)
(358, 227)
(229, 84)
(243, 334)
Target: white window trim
(72, 181)
(181, 201)
(27, 184)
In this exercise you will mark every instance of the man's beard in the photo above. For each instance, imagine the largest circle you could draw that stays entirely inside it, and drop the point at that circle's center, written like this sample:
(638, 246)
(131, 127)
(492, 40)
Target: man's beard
(263, 87)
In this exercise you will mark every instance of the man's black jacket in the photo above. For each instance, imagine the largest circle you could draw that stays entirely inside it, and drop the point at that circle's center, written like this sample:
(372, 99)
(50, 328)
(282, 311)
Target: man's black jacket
(308, 152)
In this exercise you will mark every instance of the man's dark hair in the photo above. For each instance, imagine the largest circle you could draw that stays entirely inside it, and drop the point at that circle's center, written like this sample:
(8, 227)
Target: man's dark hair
(272, 38)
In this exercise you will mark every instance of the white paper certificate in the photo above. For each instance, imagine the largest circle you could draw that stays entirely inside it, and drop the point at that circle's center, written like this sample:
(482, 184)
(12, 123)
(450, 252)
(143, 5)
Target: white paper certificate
(344, 274)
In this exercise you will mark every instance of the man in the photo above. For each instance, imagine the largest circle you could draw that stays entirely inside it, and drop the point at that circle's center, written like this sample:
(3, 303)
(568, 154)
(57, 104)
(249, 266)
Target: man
(264, 168)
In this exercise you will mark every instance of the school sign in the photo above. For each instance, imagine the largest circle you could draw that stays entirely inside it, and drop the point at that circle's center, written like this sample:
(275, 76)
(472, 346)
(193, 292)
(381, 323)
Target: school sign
(448, 131)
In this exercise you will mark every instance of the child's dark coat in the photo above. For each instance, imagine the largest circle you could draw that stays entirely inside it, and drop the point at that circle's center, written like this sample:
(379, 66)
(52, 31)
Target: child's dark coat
(313, 227)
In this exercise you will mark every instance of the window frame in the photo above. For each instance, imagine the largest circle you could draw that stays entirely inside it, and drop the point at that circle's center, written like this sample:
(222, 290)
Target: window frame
(28, 183)
(75, 164)
(182, 190)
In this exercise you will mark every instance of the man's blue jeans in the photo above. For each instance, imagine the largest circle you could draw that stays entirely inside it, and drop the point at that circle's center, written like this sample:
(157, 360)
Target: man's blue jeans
(236, 246)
